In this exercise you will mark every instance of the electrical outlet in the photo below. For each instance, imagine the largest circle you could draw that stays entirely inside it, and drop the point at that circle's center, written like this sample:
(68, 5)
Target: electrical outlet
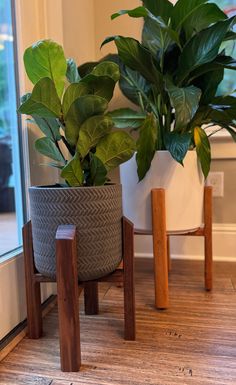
(216, 180)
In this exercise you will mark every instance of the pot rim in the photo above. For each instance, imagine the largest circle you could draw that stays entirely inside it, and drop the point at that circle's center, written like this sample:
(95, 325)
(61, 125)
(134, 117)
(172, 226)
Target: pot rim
(59, 187)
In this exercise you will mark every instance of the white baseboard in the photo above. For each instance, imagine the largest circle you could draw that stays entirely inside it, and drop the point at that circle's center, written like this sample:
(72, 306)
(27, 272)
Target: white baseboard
(216, 258)
(192, 248)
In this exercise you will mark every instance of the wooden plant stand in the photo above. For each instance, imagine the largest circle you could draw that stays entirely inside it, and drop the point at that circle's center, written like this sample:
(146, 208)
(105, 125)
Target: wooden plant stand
(161, 252)
(68, 290)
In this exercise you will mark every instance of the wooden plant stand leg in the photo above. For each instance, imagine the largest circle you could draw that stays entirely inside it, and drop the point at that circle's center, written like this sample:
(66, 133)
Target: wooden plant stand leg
(129, 293)
(168, 253)
(68, 296)
(33, 297)
(208, 237)
(91, 304)
(160, 248)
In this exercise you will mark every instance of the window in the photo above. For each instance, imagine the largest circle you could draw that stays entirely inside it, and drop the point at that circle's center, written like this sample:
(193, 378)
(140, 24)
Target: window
(228, 85)
(11, 216)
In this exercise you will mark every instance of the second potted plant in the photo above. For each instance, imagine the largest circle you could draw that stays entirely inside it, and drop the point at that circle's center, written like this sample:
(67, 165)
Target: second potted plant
(173, 76)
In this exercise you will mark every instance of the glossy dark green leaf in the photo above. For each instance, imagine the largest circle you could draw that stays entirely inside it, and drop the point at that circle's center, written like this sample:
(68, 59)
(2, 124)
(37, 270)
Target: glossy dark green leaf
(73, 173)
(202, 48)
(46, 59)
(201, 18)
(98, 172)
(161, 8)
(222, 109)
(203, 149)
(43, 101)
(182, 10)
(72, 73)
(49, 126)
(127, 118)
(86, 68)
(47, 147)
(157, 37)
(220, 62)
(146, 145)
(115, 148)
(134, 86)
(136, 12)
(137, 57)
(177, 144)
(91, 132)
(80, 110)
(209, 83)
(185, 101)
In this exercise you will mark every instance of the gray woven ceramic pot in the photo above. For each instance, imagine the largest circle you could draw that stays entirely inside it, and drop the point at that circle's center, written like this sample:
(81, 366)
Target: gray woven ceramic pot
(96, 212)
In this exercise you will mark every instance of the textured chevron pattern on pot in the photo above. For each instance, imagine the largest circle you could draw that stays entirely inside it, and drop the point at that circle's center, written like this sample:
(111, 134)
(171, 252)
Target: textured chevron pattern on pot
(96, 212)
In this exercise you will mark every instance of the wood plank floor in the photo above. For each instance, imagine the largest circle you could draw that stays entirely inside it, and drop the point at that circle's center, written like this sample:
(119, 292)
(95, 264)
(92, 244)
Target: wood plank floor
(193, 342)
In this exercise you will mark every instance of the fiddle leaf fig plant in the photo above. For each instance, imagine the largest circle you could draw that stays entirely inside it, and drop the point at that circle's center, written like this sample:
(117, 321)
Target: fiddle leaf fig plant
(173, 75)
(71, 110)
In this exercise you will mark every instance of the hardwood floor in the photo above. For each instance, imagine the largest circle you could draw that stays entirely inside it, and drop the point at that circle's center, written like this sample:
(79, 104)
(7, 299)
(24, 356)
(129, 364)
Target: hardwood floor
(193, 342)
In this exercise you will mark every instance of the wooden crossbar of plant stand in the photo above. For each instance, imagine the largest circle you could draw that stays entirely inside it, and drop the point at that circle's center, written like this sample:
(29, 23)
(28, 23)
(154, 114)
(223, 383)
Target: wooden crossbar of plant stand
(68, 290)
(162, 262)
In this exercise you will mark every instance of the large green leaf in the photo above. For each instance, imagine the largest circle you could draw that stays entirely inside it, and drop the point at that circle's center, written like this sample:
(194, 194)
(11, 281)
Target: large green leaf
(220, 62)
(91, 131)
(73, 92)
(201, 18)
(136, 12)
(137, 57)
(177, 144)
(146, 145)
(46, 59)
(127, 118)
(73, 173)
(185, 101)
(202, 48)
(49, 126)
(209, 83)
(108, 69)
(182, 10)
(115, 148)
(43, 101)
(102, 86)
(156, 34)
(86, 68)
(203, 149)
(222, 110)
(47, 147)
(134, 86)
(161, 8)
(72, 73)
(80, 110)
(157, 37)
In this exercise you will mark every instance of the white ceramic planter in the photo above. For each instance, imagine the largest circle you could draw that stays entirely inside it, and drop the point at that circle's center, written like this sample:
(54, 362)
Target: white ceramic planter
(184, 188)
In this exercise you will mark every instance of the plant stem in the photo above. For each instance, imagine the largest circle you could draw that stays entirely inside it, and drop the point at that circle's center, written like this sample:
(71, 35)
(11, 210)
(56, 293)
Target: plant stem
(72, 153)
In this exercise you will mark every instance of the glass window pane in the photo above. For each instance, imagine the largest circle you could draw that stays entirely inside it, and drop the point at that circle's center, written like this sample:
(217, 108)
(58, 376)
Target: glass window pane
(228, 85)
(10, 186)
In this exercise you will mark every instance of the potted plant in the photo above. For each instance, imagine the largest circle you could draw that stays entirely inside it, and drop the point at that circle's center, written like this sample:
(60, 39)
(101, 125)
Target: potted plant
(78, 137)
(173, 76)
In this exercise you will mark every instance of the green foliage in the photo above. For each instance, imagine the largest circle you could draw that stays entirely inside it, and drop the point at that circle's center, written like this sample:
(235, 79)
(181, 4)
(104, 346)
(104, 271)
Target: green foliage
(173, 75)
(73, 115)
